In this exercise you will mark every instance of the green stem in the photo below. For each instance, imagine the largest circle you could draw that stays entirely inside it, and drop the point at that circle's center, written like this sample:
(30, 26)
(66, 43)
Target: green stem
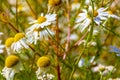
(31, 9)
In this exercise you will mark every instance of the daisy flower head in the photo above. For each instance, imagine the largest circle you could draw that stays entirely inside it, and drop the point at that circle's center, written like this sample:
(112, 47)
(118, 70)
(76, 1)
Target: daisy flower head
(83, 20)
(37, 34)
(43, 63)
(103, 70)
(11, 67)
(43, 21)
(19, 42)
(102, 14)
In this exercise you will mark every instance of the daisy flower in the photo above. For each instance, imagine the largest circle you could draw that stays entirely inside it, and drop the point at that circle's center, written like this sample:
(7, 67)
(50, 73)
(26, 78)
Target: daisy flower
(12, 66)
(43, 63)
(75, 5)
(19, 42)
(101, 14)
(1, 46)
(102, 69)
(43, 21)
(37, 34)
(83, 20)
(8, 44)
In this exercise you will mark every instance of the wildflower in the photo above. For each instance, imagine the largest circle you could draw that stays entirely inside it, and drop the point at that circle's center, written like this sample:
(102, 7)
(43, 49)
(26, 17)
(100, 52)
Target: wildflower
(115, 50)
(1, 46)
(83, 62)
(43, 63)
(101, 14)
(37, 34)
(114, 79)
(75, 5)
(83, 20)
(19, 42)
(11, 67)
(43, 21)
(8, 44)
(103, 70)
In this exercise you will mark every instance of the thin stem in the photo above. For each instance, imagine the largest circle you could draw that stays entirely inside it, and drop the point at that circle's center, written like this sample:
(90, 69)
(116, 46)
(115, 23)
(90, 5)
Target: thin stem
(31, 9)
(17, 12)
(55, 39)
(78, 42)
(57, 50)
(74, 68)
(88, 39)
(16, 30)
(68, 19)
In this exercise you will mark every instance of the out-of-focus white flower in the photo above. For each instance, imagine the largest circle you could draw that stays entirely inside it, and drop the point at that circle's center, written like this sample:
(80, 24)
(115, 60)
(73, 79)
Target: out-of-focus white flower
(73, 37)
(43, 21)
(19, 42)
(1, 46)
(38, 34)
(75, 6)
(103, 70)
(12, 2)
(43, 76)
(21, 8)
(101, 15)
(95, 32)
(87, 2)
(114, 79)
(83, 62)
(91, 43)
(83, 20)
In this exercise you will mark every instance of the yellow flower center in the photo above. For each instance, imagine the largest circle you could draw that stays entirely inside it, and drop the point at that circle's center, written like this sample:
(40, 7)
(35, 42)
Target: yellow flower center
(110, 12)
(41, 19)
(19, 36)
(43, 61)
(9, 41)
(11, 61)
(54, 2)
(95, 13)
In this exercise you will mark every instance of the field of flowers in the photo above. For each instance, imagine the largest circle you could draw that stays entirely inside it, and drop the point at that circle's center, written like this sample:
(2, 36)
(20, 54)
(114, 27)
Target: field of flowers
(59, 40)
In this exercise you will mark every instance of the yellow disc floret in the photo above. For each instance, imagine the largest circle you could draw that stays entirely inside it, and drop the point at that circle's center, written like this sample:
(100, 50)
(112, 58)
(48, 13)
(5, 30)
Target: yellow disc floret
(54, 2)
(41, 19)
(9, 41)
(110, 12)
(11, 61)
(95, 13)
(19, 36)
(43, 61)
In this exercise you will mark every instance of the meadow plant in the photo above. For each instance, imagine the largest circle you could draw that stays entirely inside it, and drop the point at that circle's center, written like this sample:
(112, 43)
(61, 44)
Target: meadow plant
(59, 39)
